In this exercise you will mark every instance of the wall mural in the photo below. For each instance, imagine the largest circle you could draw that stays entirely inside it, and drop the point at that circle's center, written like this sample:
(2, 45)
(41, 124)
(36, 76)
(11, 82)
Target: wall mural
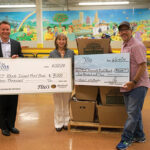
(74, 24)
(23, 25)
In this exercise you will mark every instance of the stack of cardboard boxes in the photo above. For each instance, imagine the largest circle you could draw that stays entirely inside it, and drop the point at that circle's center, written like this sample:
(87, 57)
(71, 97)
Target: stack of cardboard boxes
(93, 46)
(90, 101)
(83, 103)
(112, 111)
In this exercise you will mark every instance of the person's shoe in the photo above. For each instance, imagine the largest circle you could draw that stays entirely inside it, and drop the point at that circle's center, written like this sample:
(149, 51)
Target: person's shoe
(65, 127)
(14, 130)
(138, 140)
(123, 145)
(58, 129)
(6, 132)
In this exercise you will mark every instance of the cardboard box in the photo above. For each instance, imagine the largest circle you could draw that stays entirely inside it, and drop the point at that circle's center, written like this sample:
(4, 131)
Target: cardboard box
(83, 92)
(82, 111)
(93, 46)
(112, 115)
(111, 95)
(147, 44)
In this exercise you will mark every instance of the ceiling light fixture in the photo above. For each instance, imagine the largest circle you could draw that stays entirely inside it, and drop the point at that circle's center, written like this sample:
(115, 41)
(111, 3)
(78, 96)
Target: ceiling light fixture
(104, 3)
(17, 6)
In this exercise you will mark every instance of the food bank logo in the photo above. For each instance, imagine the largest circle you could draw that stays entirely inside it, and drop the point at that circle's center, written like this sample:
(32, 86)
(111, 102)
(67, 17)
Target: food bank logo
(3, 67)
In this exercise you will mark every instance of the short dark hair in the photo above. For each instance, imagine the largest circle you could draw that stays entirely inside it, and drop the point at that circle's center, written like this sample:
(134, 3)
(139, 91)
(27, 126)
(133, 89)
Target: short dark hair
(64, 26)
(5, 22)
(48, 27)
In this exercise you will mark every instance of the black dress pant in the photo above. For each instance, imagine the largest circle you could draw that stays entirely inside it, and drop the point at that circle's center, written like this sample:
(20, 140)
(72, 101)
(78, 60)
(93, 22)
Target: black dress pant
(8, 110)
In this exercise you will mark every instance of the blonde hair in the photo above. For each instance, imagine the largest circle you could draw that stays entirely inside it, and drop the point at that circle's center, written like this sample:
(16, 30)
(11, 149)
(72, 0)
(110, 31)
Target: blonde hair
(58, 37)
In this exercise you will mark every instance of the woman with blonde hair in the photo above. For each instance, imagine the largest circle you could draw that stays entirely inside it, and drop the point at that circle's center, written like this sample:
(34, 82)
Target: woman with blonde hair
(61, 100)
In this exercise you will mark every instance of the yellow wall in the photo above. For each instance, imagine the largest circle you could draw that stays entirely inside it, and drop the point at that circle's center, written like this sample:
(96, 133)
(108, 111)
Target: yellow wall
(48, 50)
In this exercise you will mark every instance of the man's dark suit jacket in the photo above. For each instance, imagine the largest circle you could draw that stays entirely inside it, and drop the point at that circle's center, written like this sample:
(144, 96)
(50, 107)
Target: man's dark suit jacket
(8, 103)
(15, 48)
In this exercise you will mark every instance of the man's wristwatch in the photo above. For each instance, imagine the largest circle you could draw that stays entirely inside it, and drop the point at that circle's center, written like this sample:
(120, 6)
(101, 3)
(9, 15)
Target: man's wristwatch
(134, 81)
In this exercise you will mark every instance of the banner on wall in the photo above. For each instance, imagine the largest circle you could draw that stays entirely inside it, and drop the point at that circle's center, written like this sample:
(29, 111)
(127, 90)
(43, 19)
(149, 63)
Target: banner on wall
(35, 75)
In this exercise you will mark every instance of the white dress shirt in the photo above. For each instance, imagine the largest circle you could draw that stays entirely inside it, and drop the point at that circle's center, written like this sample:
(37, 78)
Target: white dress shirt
(6, 49)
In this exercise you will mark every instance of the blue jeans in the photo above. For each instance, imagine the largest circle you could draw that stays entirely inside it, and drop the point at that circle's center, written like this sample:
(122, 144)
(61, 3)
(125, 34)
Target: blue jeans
(134, 100)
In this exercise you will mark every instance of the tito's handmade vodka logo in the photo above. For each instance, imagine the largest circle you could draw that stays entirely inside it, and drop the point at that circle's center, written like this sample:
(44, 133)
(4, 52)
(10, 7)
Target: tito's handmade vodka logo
(3, 67)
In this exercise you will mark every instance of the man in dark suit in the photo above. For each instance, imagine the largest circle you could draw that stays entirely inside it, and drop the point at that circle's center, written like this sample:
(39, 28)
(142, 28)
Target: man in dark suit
(9, 48)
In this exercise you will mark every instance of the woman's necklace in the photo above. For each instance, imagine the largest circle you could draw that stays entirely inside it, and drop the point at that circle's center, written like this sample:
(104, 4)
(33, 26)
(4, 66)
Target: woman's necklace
(62, 53)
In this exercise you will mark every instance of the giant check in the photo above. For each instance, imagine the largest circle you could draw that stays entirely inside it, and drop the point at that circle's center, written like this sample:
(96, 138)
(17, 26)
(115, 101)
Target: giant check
(35, 75)
(102, 69)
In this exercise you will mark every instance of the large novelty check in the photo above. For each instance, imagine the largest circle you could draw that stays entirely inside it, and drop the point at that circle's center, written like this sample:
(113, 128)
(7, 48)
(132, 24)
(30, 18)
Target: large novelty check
(102, 69)
(35, 75)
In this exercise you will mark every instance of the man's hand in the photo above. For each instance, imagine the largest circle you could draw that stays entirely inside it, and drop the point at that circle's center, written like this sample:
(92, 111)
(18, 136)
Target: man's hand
(141, 68)
(129, 85)
(14, 56)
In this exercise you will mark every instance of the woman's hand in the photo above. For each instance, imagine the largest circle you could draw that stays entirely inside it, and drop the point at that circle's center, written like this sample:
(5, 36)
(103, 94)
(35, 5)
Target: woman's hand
(14, 56)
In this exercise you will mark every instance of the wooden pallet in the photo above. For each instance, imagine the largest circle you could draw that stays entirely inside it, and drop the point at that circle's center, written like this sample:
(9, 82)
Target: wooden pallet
(75, 126)
(110, 128)
(83, 126)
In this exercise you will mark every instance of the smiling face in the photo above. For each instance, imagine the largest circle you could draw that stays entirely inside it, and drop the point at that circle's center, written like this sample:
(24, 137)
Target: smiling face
(125, 33)
(4, 32)
(61, 42)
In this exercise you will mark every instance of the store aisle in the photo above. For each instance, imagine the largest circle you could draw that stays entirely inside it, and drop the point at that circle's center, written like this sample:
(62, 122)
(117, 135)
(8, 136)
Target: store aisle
(37, 132)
